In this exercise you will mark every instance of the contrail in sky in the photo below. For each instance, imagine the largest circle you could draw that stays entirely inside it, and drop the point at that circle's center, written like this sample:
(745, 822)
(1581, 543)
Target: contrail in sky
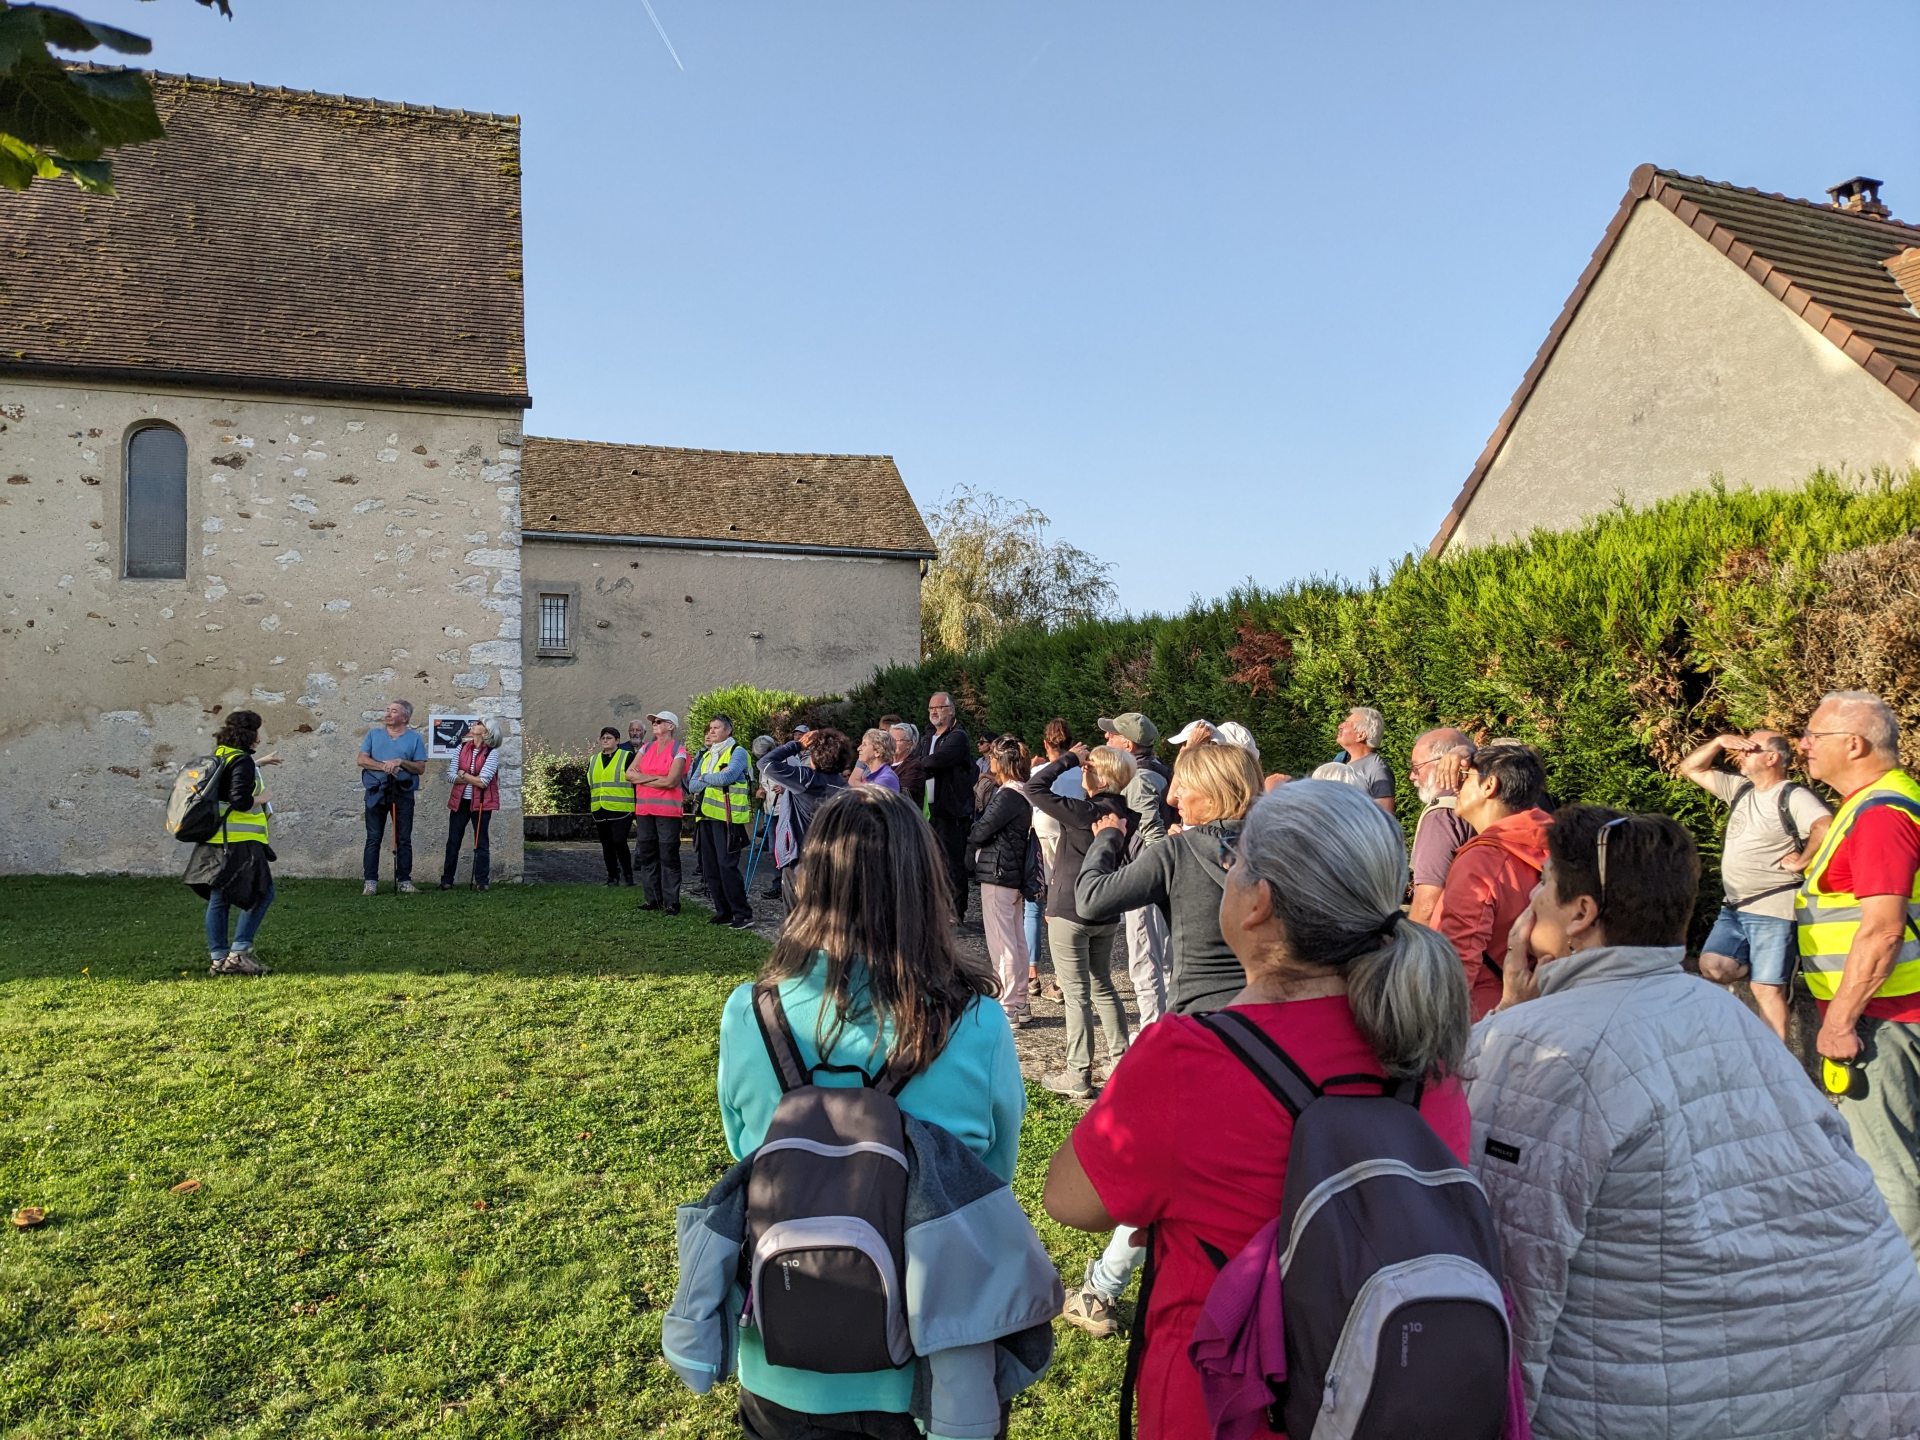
(663, 34)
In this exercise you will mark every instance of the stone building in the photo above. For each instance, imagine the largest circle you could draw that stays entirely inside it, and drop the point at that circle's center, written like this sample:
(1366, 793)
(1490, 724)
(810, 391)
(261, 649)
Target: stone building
(655, 574)
(1717, 331)
(260, 437)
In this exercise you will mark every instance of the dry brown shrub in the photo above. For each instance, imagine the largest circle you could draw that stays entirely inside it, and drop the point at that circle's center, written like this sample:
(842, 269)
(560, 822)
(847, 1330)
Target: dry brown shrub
(1256, 656)
(1864, 634)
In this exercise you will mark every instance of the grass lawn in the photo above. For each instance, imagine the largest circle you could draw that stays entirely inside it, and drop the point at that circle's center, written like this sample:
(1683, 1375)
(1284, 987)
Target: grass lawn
(437, 1152)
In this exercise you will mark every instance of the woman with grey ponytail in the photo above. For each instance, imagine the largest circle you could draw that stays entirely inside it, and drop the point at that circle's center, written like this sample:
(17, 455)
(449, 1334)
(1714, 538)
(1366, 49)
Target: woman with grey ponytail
(1186, 1140)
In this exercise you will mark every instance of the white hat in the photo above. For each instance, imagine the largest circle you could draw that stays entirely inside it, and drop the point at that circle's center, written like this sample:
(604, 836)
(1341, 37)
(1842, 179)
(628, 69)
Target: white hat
(1186, 731)
(1232, 732)
(666, 715)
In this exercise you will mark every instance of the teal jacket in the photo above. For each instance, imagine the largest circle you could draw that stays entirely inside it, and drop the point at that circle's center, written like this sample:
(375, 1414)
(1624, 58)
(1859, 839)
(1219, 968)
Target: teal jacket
(973, 1091)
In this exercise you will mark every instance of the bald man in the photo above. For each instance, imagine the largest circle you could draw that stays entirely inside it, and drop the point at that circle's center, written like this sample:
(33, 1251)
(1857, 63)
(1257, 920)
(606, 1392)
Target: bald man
(1440, 757)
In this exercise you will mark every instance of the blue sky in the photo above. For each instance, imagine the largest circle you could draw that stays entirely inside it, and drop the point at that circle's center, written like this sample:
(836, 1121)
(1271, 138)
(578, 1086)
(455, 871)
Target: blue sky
(1229, 290)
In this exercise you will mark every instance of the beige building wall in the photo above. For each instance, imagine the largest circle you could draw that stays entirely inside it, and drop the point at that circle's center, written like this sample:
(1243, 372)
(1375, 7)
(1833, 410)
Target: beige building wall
(653, 627)
(1676, 368)
(338, 554)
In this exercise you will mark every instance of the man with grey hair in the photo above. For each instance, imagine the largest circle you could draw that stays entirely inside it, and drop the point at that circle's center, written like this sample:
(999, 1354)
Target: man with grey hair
(1858, 922)
(392, 759)
(1439, 762)
(1359, 736)
(1774, 827)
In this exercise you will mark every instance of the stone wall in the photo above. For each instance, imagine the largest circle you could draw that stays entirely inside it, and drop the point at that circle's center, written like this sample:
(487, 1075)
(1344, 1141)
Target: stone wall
(338, 555)
(1677, 368)
(653, 627)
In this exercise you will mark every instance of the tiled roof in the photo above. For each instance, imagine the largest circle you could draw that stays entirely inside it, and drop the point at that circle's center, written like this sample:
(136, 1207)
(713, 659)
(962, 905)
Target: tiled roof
(283, 241)
(1827, 266)
(733, 497)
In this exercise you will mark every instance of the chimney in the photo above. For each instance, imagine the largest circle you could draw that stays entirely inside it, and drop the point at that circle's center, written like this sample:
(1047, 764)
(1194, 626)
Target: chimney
(1906, 272)
(1859, 196)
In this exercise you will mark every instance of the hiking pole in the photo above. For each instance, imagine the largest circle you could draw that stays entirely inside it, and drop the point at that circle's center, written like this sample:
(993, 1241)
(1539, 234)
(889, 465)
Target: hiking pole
(754, 849)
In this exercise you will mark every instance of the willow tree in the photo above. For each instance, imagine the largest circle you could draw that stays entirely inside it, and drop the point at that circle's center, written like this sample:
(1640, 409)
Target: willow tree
(998, 572)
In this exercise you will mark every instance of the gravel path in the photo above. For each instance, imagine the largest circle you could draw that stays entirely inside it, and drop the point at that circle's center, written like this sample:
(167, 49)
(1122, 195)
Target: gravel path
(1042, 1046)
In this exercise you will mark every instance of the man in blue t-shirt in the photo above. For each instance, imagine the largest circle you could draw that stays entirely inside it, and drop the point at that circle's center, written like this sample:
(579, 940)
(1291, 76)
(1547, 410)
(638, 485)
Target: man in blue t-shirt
(392, 759)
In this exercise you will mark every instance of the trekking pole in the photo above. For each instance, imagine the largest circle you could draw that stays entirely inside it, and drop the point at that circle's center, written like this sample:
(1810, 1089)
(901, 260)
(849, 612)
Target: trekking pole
(754, 849)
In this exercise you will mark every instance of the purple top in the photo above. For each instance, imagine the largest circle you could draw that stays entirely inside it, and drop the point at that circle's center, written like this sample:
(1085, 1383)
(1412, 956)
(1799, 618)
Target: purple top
(1439, 833)
(884, 778)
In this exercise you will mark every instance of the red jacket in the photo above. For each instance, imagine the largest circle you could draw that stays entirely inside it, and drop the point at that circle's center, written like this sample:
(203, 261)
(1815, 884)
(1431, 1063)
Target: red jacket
(1488, 885)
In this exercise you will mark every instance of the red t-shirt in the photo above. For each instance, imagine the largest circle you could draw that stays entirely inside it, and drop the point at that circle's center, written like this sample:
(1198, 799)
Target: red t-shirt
(1879, 857)
(1184, 1138)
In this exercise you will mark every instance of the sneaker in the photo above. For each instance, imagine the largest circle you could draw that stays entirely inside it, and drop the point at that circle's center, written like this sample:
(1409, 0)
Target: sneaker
(1019, 1019)
(1087, 1309)
(1074, 1084)
(673, 909)
(482, 884)
(372, 887)
(718, 920)
(1033, 983)
(241, 962)
(446, 884)
(740, 922)
(407, 887)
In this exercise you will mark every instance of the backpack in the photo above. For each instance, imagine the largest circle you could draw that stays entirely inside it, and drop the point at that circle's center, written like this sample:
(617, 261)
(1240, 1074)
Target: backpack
(825, 1249)
(1786, 823)
(1395, 1316)
(194, 811)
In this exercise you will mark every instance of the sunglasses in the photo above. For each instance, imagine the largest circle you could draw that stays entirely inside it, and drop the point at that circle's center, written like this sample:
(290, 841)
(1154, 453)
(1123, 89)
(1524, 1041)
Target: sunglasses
(1600, 854)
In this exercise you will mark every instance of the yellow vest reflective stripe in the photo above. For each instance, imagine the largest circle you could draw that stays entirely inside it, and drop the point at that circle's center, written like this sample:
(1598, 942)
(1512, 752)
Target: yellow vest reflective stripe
(611, 790)
(1827, 920)
(728, 802)
(240, 825)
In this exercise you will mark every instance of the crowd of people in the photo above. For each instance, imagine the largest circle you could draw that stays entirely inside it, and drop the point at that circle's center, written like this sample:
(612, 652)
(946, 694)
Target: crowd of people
(1694, 1237)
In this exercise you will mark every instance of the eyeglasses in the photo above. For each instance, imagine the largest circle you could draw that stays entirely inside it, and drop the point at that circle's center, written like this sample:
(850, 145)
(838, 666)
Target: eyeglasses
(1600, 856)
(1823, 734)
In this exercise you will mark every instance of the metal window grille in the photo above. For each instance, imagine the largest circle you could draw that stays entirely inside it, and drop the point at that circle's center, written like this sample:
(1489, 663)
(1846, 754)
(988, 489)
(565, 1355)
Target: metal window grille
(553, 622)
(155, 539)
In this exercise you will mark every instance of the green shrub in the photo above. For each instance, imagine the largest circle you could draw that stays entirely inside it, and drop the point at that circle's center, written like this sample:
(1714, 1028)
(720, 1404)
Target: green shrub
(556, 784)
(759, 712)
(1614, 647)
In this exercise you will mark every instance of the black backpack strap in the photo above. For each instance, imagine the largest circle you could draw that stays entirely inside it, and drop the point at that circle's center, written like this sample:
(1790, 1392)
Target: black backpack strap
(1786, 816)
(1271, 1066)
(1137, 1341)
(788, 1066)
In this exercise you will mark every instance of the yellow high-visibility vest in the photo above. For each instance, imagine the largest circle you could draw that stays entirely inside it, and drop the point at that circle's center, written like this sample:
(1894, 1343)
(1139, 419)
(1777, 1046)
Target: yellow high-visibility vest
(1827, 920)
(241, 825)
(610, 789)
(728, 802)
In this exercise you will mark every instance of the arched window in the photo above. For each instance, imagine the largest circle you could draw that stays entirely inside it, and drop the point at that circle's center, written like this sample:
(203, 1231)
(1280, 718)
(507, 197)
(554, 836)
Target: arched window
(155, 521)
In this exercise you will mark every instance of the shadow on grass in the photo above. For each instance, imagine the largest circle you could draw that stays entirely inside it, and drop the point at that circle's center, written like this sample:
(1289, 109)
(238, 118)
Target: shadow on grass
(142, 929)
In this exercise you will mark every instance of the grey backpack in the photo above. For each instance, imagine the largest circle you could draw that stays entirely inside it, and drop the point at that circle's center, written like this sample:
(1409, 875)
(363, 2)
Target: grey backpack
(827, 1215)
(1391, 1288)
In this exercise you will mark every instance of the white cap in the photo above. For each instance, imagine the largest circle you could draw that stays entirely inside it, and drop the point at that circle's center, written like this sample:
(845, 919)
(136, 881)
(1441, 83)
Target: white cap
(1186, 731)
(666, 715)
(1232, 732)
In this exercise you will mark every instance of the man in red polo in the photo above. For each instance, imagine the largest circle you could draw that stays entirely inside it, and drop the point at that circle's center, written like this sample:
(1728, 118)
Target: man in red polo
(1492, 875)
(1858, 922)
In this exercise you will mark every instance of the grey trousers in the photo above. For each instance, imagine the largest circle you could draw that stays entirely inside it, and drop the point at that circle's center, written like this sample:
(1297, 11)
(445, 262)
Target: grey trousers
(1083, 964)
(1147, 961)
(1885, 1123)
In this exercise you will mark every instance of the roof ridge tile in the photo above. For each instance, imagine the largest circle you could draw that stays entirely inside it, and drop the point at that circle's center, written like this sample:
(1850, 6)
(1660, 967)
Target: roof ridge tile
(286, 92)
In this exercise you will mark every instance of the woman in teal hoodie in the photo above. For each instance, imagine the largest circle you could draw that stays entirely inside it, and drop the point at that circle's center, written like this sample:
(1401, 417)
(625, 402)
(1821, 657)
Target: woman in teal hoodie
(869, 974)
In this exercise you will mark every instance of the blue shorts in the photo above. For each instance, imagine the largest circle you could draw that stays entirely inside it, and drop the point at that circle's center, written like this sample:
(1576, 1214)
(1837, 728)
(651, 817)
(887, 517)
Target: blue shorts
(1766, 946)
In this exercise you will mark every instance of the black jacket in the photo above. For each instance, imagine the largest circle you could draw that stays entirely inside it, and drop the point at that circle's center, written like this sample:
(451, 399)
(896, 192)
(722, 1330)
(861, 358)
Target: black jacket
(1076, 819)
(948, 760)
(240, 871)
(1184, 875)
(998, 839)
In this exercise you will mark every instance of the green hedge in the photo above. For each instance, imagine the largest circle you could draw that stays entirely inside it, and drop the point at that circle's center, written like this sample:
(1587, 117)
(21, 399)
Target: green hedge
(1613, 647)
(556, 784)
(759, 712)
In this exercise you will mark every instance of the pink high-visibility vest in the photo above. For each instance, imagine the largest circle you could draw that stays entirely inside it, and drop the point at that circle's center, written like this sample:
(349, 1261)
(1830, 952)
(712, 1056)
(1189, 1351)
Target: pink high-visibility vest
(657, 759)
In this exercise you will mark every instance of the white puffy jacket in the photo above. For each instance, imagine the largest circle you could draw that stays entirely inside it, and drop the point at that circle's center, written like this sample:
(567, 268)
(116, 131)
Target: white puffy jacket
(1693, 1246)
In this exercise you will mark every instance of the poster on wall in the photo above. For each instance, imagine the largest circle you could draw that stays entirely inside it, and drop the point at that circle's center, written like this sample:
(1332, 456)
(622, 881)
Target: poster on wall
(445, 731)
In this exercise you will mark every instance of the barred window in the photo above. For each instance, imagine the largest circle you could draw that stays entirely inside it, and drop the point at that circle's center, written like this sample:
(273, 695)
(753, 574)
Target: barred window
(554, 632)
(154, 515)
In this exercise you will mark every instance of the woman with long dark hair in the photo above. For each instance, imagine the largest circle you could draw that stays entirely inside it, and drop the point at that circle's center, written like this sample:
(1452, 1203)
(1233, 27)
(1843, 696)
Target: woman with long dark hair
(231, 871)
(869, 976)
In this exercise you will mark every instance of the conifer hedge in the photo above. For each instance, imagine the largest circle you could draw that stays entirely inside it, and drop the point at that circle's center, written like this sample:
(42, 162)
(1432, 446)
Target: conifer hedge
(1613, 648)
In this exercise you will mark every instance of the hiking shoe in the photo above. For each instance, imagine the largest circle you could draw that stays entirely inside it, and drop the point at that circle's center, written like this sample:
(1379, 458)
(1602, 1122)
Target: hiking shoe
(1033, 983)
(239, 962)
(740, 922)
(372, 887)
(1074, 1084)
(1087, 1309)
(407, 887)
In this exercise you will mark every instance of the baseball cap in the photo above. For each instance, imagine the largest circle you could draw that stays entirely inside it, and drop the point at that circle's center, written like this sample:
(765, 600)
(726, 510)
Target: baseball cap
(1131, 724)
(1234, 733)
(801, 729)
(666, 715)
(1186, 731)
